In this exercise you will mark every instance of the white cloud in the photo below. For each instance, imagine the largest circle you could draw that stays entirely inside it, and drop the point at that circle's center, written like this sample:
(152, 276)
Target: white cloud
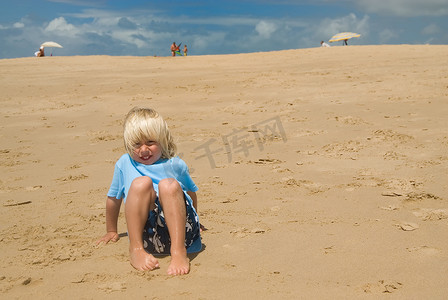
(128, 38)
(81, 2)
(265, 29)
(61, 27)
(405, 8)
(387, 35)
(204, 42)
(151, 31)
(18, 25)
(431, 29)
(329, 27)
(221, 21)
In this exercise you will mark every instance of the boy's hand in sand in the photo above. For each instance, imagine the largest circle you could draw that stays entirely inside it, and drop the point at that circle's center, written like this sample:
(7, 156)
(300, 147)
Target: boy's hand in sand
(108, 237)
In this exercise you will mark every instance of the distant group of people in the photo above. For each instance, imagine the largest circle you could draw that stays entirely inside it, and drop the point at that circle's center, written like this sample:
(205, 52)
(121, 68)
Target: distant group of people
(40, 53)
(323, 44)
(175, 49)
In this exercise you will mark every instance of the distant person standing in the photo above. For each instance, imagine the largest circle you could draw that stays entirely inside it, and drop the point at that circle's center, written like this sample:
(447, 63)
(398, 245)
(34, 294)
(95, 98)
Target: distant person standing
(174, 48)
(185, 50)
(323, 44)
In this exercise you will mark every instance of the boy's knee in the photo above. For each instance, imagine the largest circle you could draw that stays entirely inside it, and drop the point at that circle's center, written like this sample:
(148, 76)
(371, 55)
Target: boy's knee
(142, 183)
(169, 185)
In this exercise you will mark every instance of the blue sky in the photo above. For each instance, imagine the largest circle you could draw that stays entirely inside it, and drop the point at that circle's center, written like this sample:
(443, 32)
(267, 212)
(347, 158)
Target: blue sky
(146, 28)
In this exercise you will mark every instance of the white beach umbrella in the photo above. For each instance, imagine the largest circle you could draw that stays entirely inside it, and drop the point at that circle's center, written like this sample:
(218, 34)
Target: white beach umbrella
(51, 44)
(344, 36)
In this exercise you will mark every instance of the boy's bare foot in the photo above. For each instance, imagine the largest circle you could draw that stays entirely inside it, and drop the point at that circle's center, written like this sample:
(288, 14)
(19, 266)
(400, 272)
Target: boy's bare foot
(142, 260)
(180, 263)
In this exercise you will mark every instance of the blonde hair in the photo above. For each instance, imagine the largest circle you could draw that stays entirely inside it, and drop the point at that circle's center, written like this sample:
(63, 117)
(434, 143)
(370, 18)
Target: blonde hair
(145, 124)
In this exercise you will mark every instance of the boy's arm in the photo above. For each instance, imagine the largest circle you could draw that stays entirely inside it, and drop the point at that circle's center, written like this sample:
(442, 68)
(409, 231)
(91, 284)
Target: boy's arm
(194, 197)
(112, 211)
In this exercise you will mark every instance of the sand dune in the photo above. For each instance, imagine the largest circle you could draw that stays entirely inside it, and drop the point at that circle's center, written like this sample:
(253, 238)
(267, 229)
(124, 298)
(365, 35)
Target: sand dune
(322, 173)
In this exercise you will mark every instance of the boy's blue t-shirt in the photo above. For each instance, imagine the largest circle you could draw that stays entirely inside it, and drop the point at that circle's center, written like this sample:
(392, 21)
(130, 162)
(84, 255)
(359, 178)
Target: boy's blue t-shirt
(127, 169)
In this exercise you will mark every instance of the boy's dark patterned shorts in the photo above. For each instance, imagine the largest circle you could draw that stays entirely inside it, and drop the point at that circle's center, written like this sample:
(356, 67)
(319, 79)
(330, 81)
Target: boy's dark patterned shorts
(156, 238)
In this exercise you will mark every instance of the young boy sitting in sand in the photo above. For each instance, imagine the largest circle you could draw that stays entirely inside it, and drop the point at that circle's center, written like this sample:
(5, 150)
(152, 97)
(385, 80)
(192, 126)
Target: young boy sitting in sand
(159, 195)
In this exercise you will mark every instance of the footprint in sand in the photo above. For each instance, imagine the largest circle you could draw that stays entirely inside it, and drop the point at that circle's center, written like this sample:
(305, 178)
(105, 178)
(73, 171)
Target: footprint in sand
(350, 120)
(312, 187)
(391, 155)
(421, 196)
(429, 214)
(264, 161)
(305, 132)
(113, 287)
(407, 226)
(243, 232)
(390, 207)
(424, 250)
(33, 188)
(392, 136)
(72, 167)
(72, 178)
(10, 158)
(401, 185)
(382, 286)
(103, 136)
(343, 150)
(70, 124)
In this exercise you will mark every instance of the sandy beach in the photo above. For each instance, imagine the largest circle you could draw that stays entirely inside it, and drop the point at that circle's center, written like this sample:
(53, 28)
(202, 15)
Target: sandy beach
(322, 173)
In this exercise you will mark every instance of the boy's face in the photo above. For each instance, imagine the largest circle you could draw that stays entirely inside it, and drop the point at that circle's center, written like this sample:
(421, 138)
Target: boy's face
(147, 152)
